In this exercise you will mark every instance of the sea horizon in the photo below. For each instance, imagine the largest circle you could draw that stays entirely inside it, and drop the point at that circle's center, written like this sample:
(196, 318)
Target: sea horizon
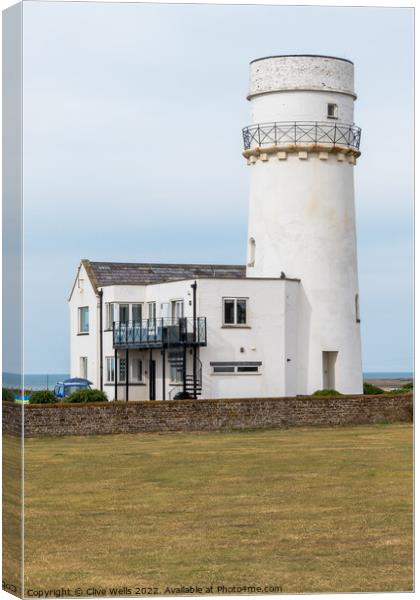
(388, 374)
(39, 381)
(33, 381)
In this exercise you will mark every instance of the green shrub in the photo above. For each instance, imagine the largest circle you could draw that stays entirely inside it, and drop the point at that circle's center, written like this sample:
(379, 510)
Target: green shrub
(87, 395)
(326, 393)
(7, 395)
(368, 388)
(408, 386)
(400, 391)
(42, 397)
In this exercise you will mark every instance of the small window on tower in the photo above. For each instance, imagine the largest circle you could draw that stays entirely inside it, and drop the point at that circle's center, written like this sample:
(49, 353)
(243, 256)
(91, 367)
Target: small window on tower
(251, 252)
(332, 111)
(356, 301)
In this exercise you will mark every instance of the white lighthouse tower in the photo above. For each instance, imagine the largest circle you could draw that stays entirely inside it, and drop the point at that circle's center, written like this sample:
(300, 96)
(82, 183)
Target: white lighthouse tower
(302, 147)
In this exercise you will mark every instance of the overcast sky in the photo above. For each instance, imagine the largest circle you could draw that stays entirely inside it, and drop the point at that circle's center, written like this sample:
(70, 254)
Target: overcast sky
(132, 148)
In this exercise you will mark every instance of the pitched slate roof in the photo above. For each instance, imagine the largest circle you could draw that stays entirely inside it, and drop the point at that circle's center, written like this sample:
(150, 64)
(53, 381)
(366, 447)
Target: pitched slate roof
(111, 273)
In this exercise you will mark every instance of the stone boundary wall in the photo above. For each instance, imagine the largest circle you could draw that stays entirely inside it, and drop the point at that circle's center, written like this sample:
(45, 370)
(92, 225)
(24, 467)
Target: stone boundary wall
(12, 418)
(203, 415)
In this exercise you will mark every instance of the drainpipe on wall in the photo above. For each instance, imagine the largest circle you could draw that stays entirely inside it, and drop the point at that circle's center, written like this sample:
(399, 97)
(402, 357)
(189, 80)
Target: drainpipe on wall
(126, 374)
(101, 342)
(194, 288)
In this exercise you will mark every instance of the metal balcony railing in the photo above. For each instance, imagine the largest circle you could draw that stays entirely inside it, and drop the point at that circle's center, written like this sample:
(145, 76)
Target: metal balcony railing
(150, 333)
(301, 132)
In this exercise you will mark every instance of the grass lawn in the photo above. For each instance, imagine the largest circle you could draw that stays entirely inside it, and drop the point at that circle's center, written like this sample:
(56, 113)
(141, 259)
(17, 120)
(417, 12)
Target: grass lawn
(12, 512)
(307, 509)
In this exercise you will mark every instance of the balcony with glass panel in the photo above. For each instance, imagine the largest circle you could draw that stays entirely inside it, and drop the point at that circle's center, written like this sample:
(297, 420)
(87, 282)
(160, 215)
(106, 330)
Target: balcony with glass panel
(160, 333)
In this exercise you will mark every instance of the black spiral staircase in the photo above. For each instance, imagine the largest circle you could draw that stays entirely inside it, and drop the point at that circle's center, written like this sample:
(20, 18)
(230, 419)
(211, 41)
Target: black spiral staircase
(191, 384)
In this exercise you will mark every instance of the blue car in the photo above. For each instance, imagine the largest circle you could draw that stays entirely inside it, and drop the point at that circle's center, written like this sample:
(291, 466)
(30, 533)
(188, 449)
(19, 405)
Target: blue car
(63, 389)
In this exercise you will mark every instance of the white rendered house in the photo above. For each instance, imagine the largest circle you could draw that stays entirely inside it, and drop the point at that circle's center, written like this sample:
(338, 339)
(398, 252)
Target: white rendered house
(288, 322)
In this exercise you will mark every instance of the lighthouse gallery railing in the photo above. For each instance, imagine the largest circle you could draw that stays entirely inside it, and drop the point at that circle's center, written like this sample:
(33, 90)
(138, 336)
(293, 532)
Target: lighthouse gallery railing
(301, 132)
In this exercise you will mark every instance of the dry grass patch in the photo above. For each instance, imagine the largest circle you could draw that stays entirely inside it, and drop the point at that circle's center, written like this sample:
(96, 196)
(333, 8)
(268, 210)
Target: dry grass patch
(311, 510)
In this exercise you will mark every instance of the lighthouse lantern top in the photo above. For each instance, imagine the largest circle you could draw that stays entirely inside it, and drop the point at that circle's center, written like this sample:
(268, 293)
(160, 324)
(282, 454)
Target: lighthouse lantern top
(301, 72)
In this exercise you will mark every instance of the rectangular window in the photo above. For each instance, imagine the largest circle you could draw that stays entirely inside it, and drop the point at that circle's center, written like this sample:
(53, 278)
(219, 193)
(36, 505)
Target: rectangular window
(110, 369)
(124, 316)
(136, 370)
(122, 374)
(175, 374)
(110, 314)
(165, 310)
(151, 310)
(332, 111)
(234, 311)
(229, 312)
(241, 311)
(84, 319)
(177, 309)
(83, 367)
(236, 367)
(136, 312)
(226, 369)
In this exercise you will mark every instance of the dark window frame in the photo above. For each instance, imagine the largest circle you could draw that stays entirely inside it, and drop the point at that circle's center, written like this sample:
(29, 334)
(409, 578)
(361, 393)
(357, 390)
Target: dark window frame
(332, 110)
(235, 301)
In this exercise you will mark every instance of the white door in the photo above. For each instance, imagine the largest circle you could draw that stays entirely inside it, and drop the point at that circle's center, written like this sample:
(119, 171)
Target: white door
(328, 370)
